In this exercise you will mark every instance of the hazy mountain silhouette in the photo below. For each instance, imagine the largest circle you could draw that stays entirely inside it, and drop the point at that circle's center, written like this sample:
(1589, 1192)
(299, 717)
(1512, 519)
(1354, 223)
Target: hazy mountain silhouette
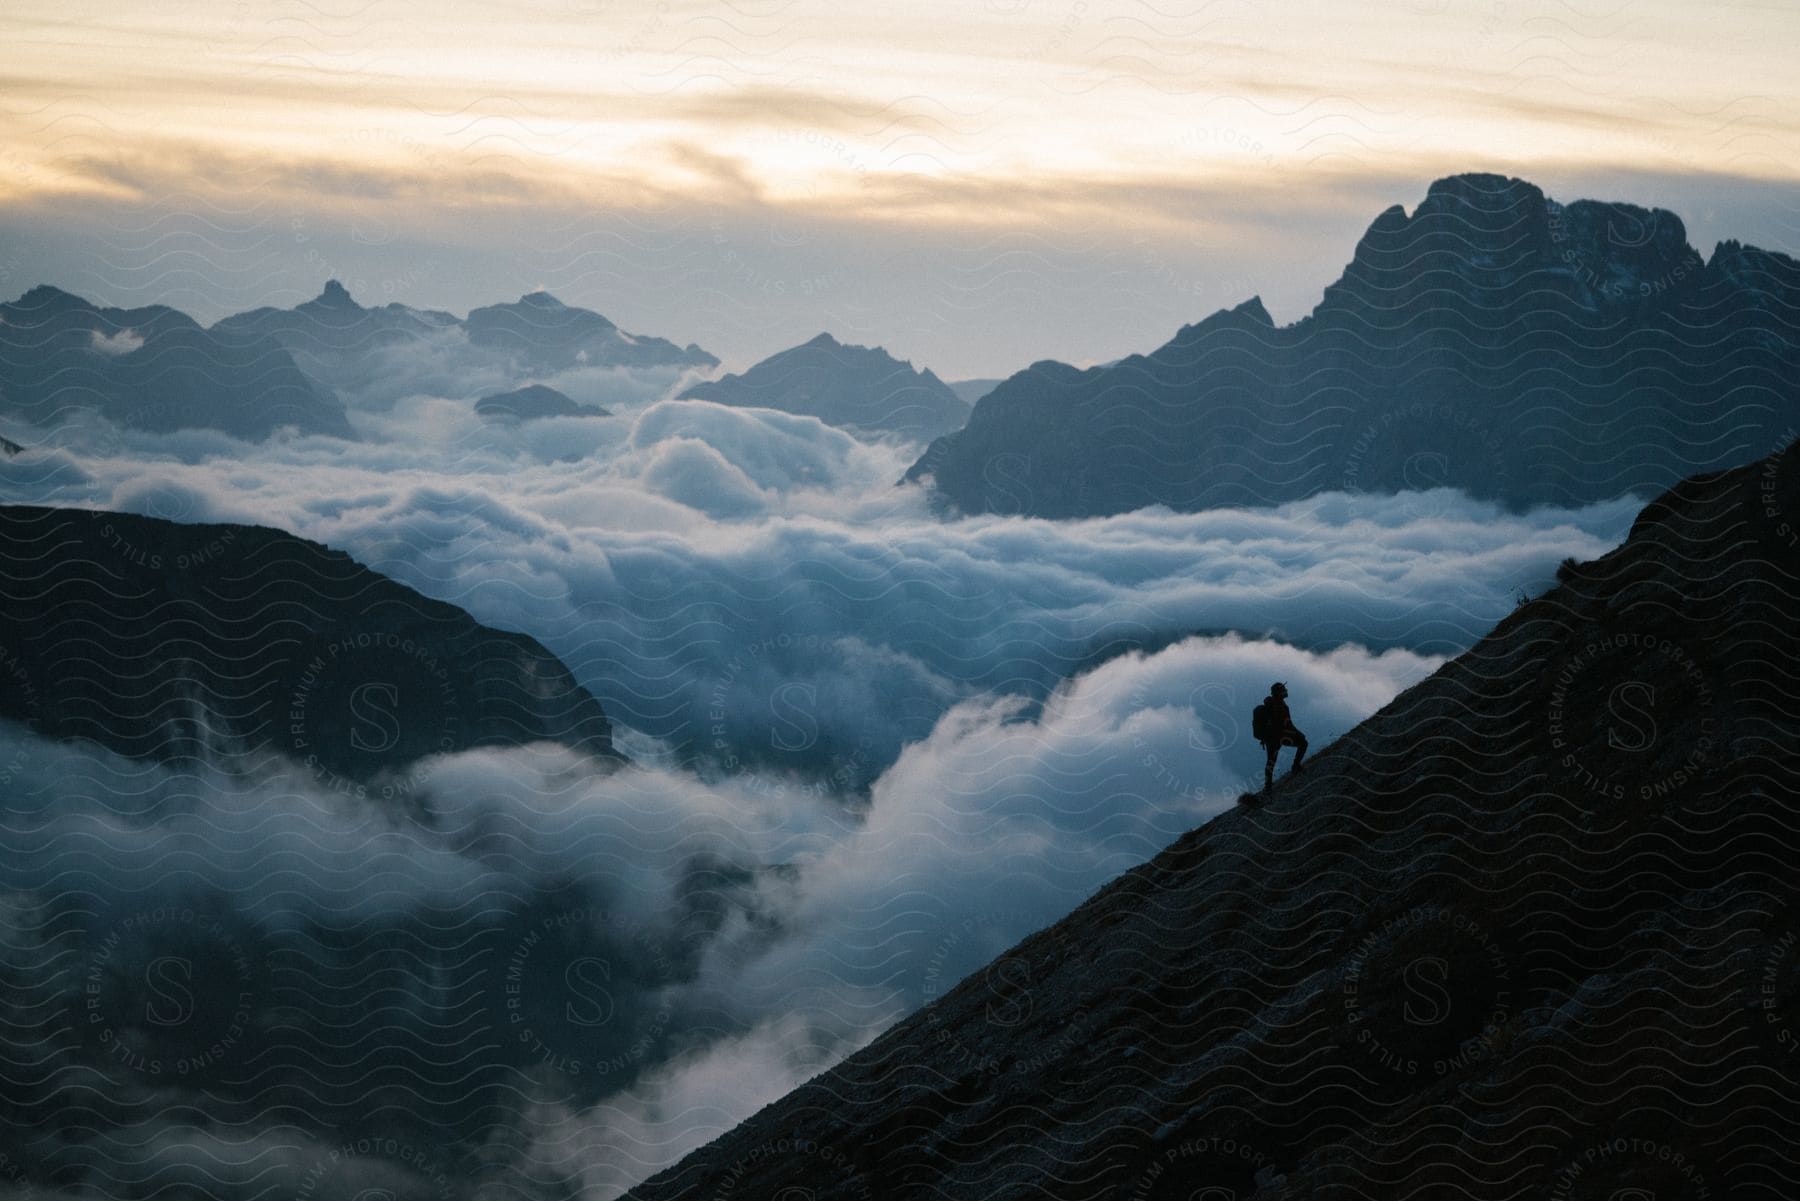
(1528, 931)
(170, 641)
(531, 402)
(542, 333)
(152, 368)
(339, 340)
(333, 323)
(853, 387)
(1492, 340)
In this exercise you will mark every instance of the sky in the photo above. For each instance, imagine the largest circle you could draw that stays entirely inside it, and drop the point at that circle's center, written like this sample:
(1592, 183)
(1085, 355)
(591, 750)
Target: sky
(975, 184)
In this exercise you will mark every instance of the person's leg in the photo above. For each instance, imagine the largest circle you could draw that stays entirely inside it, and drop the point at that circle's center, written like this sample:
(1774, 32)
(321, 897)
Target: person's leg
(1298, 740)
(1273, 747)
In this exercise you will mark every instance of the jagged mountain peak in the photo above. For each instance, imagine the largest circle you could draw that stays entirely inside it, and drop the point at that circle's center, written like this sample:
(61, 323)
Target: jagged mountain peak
(335, 295)
(1491, 332)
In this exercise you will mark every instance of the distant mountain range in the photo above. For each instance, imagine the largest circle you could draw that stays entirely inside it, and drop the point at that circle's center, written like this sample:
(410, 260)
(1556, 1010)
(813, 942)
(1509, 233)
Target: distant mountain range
(155, 368)
(1527, 932)
(860, 388)
(1492, 340)
(538, 334)
(152, 368)
(168, 641)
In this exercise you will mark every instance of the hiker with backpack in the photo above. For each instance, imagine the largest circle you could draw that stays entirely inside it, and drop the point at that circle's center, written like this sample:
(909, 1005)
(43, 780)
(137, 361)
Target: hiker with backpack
(1272, 725)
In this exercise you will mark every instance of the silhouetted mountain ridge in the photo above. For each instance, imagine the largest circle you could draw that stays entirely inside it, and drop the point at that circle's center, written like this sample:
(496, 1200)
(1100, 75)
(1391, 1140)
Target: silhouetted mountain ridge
(152, 368)
(1492, 340)
(854, 387)
(170, 641)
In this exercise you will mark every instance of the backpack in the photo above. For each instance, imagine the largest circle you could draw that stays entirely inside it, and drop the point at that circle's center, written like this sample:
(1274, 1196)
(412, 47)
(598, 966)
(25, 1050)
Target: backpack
(1262, 722)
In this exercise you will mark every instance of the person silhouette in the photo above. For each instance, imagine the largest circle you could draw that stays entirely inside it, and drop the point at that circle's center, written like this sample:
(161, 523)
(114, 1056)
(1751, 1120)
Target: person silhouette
(1281, 732)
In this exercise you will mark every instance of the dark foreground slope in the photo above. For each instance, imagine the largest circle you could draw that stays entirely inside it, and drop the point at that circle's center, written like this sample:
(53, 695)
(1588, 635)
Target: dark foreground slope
(168, 641)
(1492, 340)
(1531, 931)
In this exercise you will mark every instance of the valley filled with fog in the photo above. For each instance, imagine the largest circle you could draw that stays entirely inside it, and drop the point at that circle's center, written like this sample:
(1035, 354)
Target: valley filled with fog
(871, 745)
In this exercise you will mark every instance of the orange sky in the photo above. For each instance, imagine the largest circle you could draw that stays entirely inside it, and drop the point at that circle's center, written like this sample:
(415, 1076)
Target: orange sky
(1180, 123)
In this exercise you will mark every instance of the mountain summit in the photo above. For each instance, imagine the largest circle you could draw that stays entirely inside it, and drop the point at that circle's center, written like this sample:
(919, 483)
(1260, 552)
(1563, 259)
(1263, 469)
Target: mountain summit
(1529, 931)
(1492, 340)
(538, 333)
(542, 333)
(854, 387)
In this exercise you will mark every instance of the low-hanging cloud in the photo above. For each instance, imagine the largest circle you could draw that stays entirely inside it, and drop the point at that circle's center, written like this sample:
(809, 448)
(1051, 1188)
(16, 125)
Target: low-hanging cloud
(768, 930)
(751, 590)
(873, 749)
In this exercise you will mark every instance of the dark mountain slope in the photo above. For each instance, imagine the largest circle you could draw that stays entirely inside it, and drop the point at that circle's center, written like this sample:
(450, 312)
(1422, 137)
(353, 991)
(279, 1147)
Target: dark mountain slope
(1492, 340)
(152, 368)
(854, 387)
(1531, 931)
(168, 641)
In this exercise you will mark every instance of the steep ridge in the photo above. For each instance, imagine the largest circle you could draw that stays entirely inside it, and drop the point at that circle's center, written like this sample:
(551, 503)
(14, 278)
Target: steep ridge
(853, 387)
(1531, 931)
(153, 368)
(1493, 340)
(170, 642)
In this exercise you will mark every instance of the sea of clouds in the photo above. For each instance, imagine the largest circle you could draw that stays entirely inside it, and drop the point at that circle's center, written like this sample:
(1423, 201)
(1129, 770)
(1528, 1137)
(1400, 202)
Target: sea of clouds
(872, 748)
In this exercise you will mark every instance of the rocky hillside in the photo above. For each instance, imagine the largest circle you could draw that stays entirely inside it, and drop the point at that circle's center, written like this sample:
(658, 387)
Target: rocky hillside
(1528, 932)
(853, 387)
(168, 641)
(152, 368)
(1493, 340)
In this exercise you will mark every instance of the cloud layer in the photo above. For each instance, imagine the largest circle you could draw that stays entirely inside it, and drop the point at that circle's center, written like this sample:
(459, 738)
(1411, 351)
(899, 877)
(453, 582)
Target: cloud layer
(873, 750)
(751, 589)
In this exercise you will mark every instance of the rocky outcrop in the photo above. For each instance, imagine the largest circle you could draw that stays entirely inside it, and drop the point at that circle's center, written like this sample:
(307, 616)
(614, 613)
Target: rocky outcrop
(1530, 931)
(176, 642)
(853, 387)
(1492, 340)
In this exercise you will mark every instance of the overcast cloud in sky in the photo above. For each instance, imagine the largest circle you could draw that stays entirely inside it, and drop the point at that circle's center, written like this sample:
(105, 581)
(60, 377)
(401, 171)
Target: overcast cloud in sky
(974, 185)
